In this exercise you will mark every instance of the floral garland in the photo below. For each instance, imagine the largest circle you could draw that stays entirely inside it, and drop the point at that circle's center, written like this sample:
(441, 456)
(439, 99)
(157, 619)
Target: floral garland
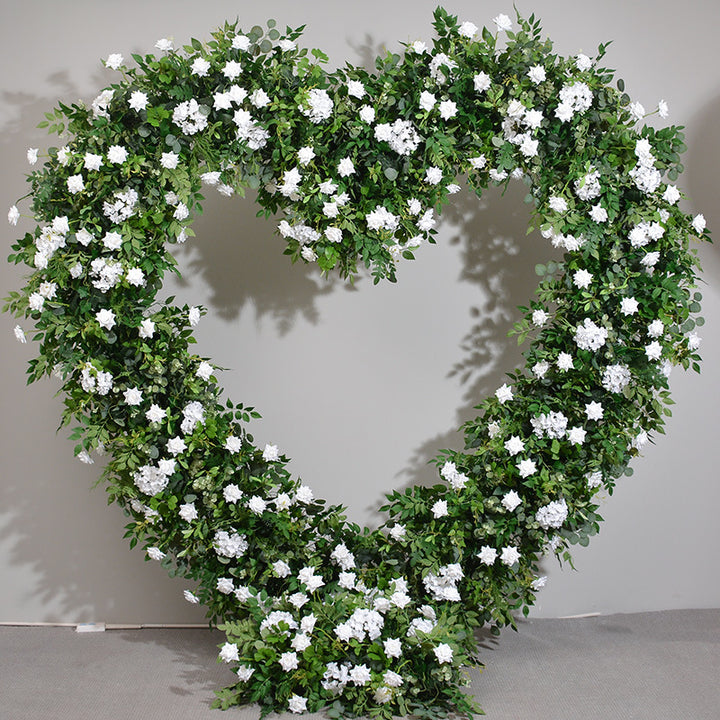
(319, 612)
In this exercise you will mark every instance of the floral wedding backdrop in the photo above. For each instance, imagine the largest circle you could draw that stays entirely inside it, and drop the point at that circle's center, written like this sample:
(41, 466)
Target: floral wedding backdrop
(355, 165)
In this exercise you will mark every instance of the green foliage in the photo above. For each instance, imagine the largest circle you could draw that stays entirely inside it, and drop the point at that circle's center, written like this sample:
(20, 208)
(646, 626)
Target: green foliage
(280, 571)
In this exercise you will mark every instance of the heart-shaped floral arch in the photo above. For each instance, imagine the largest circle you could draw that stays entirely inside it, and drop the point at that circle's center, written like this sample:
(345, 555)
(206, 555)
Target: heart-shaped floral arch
(318, 611)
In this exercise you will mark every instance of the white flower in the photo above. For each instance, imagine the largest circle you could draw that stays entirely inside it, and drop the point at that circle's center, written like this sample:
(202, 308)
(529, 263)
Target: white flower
(419, 47)
(210, 178)
(176, 445)
(241, 42)
(345, 167)
(133, 396)
(319, 106)
(392, 679)
(656, 328)
(397, 531)
(433, 175)
(392, 647)
(36, 301)
(529, 146)
(13, 215)
(539, 318)
(356, 89)
(552, 515)
(590, 336)
(558, 204)
(699, 223)
(271, 453)
(382, 219)
(663, 109)
(92, 161)
(360, 675)
(205, 370)
(75, 184)
(440, 509)
(637, 111)
(233, 444)
(169, 160)
(514, 445)
(257, 505)
(576, 436)
(629, 306)
(188, 512)
(509, 556)
(260, 98)
(164, 44)
(367, 114)
(540, 369)
(48, 290)
(146, 329)
(117, 154)
(156, 413)
(537, 74)
(594, 479)
(467, 29)
(304, 495)
(487, 555)
(288, 661)
(694, 341)
(155, 553)
(539, 582)
(427, 101)
(63, 155)
(286, 45)
(105, 318)
(200, 67)
(481, 82)
(112, 240)
(504, 393)
(114, 61)
(502, 22)
(594, 410)
(191, 598)
(181, 212)
(448, 109)
(526, 468)
(653, 350)
(443, 653)
(84, 457)
(583, 62)
(232, 493)
(194, 316)
(305, 155)
(297, 704)
(244, 673)
(582, 279)
(138, 100)
(616, 378)
(301, 642)
(598, 213)
(511, 500)
(671, 194)
(19, 334)
(311, 581)
(281, 569)
(229, 652)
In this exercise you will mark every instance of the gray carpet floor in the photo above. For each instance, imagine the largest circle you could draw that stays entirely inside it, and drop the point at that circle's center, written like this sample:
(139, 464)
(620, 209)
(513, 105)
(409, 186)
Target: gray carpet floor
(649, 666)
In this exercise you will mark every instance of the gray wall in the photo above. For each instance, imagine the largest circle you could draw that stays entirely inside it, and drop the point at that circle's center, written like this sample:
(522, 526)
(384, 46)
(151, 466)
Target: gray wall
(359, 385)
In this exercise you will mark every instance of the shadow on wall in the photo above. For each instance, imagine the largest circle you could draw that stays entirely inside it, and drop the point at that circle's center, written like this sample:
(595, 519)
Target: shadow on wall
(702, 163)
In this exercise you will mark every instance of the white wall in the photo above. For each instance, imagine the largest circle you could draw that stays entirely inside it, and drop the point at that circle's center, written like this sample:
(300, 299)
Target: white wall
(359, 385)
